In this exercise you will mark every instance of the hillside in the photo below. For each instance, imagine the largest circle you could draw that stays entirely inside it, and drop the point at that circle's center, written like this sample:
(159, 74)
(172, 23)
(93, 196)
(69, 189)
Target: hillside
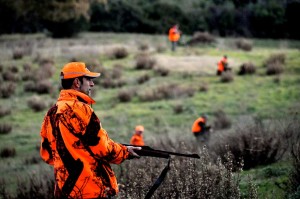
(127, 95)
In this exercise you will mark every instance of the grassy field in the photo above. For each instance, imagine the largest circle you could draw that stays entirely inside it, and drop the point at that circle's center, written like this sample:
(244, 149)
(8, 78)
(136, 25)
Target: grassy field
(251, 96)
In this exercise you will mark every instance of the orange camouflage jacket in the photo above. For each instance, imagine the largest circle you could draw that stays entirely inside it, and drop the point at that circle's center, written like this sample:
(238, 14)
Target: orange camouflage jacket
(74, 142)
(137, 140)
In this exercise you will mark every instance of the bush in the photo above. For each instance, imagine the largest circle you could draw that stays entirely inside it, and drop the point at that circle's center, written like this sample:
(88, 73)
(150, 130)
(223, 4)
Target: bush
(244, 44)
(7, 89)
(275, 59)
(18, 53)
(142, 79)
(201, 37)
(161, 71)
(199, 178)
(44, 87)
(166, 92)
(274, 68)
(203, 87)
(145, 62)
(125, 95)
(5, 128)
(7, 152)
(227, 77)
(36, 103)
(247, 68)
(119, 53)
(221, 120)
(254, 144)
(4, 111)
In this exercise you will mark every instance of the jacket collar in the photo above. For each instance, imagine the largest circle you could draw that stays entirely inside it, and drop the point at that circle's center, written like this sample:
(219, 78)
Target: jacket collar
(71, 94)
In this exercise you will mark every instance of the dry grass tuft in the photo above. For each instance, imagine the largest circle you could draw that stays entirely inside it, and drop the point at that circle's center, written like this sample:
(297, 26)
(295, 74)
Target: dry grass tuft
(247, 68)
(7, 152)
(244, 44)
(221, 120)
(227, 77)
(36, 103)
(7, 89)
(202, 38)
(144, 61)
(166, 92)
(5, 128)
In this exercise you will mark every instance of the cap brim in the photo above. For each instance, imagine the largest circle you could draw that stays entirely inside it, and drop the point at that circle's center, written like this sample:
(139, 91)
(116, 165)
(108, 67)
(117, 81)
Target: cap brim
(93, 75)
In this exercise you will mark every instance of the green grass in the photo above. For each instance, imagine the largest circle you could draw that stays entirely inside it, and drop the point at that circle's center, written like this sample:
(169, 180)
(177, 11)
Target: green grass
(255, 95)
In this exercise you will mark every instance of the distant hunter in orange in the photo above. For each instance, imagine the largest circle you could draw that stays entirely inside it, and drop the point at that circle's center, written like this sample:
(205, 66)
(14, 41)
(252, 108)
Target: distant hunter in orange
(74, 142)
(174, 36)
(137, 138)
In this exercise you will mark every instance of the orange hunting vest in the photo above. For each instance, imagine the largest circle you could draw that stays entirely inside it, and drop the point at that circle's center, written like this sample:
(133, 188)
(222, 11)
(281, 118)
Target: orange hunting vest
(74, 142)
(137, 140)
(196, 128)
(221, 63)
(174, 34)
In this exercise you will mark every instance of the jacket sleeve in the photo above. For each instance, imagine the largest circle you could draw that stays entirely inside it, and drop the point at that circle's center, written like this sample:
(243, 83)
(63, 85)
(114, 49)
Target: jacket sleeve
(109, 150)
(45, 148)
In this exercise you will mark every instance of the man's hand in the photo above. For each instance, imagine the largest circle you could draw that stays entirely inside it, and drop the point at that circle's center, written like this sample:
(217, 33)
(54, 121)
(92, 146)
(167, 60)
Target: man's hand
(131, 151)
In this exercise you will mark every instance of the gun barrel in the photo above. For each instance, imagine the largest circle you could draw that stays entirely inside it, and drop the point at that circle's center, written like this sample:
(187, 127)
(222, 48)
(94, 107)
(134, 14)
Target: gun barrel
(148, 151)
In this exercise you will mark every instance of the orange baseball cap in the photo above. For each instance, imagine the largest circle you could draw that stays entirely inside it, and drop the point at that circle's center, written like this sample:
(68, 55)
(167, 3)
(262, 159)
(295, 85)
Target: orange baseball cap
(139, 128)
(76, 69)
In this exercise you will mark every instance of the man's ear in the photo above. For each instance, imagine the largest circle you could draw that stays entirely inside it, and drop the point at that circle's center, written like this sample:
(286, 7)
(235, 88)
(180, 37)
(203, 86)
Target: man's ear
(76, 83)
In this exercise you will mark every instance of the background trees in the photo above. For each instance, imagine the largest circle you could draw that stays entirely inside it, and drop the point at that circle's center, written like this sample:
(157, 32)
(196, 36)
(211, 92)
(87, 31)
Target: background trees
(251, 18)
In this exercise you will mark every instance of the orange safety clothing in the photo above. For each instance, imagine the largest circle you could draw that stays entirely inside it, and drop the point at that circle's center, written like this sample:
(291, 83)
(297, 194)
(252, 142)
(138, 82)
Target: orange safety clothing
(196, 128)
(137, 139)
(221, 64)
(74, 142)
(174, 34)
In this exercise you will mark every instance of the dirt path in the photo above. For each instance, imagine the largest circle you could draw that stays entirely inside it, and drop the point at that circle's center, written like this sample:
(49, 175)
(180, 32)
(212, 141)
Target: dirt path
(203, 64)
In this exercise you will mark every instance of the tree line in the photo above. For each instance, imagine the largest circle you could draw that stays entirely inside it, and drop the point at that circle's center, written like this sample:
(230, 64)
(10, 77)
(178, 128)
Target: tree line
(244, 18)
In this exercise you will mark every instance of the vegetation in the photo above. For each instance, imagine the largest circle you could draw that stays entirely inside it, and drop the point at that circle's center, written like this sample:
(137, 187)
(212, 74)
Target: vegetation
(254, 147)
(251, 18)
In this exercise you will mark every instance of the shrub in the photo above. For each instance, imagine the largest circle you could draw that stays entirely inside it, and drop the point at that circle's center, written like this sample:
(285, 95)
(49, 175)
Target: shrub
(201, 37)
(30, 86)
(10, 76)
(18, 53)
(125, 95)
(143, 46)
(36, 103)
(244, 44)
(116, 72)
(161, 71)
(178, 108)
(274, 68)
(227, 76)
(166, 92)
(293, 188)
(7, 89)
(187, 178)
(275, 58)
(44, 86)
(221, 120)
(4, 111)
(203, 87)
(5, 128)
(161, 48)
(145, 62)
(119, 53)
(142, 79)
(247, 68)
(254, 144)
(7, 152)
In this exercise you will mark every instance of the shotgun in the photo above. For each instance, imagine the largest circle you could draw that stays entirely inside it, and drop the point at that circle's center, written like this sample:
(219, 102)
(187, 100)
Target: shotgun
(150, 152)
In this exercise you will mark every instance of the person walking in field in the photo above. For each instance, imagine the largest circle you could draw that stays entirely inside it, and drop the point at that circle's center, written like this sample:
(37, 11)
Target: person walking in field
(174, 36)
(74, 142)
(200, 129)
(222, 65)
(137, 138)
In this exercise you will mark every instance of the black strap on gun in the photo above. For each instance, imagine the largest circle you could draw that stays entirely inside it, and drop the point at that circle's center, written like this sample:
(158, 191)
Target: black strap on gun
(150, 152)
